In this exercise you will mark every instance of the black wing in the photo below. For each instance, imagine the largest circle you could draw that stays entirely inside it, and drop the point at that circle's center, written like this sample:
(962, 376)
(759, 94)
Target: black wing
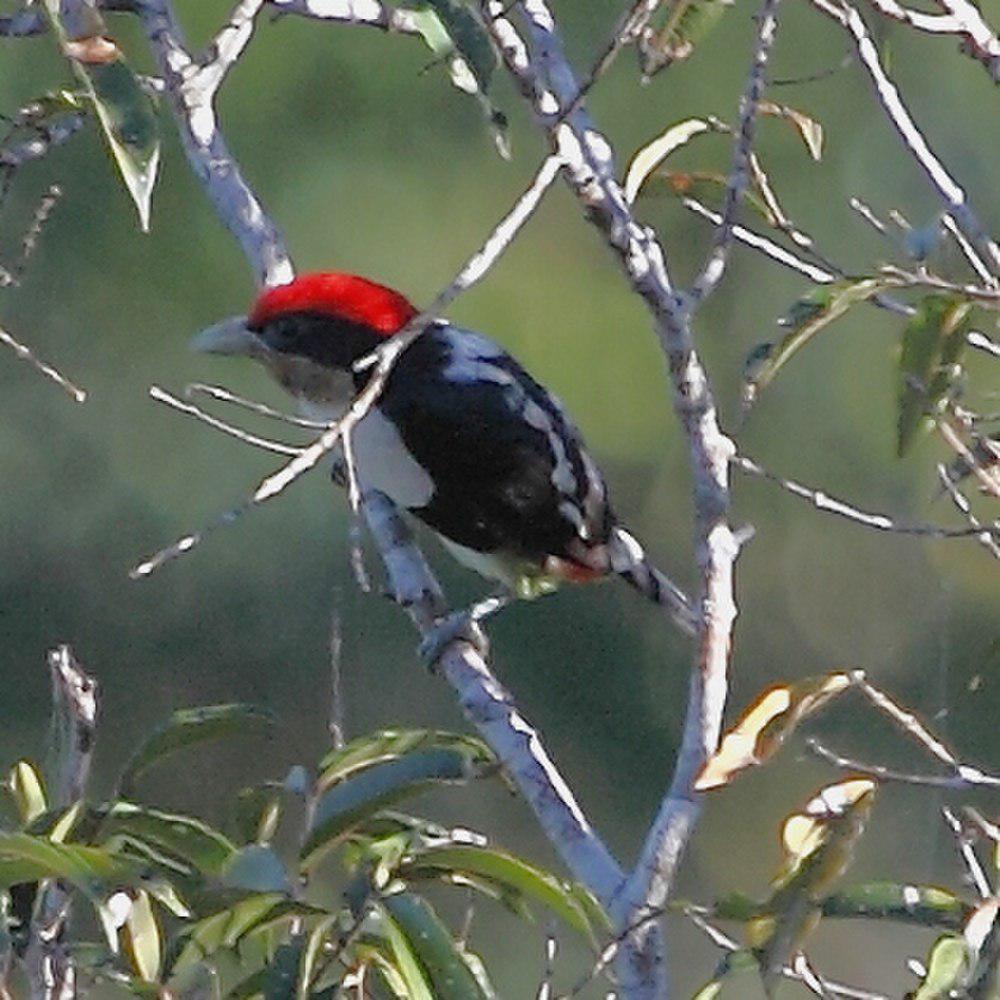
(510, 469)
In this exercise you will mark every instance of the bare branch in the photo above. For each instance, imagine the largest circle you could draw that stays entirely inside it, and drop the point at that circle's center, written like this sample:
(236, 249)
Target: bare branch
(29, 21)
(880, 522)
(206, 150)
(489, 707)
(888, 96)
(963, 19)
(227, 46)
(959, 499)
(365, 13)
(26, 354)
(224, 395)
(739, 174)
(546, 79)
(952, 782)
(276, 447)
(977, 876)
(51, 971)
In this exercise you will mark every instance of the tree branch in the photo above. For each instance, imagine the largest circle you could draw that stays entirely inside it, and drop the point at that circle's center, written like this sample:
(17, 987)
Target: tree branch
(365, 13)
(192, 97)
(739, 175)
(546, 79)
(50, 968)
(491, 709)
(888, 96)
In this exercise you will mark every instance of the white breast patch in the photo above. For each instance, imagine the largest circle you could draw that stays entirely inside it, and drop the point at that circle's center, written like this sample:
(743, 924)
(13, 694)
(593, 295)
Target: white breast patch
(385, 464)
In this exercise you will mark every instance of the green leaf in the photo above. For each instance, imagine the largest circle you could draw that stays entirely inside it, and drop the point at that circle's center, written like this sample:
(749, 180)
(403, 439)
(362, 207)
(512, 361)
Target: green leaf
(808, 127)
(142, 938)
(429, 946)
(124, 110)
(258, 811)
(811, 314)
(933, 341)
(509, 874)
(24, 858)
(183, 836)
(374, 771)
(455, 34)
(390, 744)
(190, 726)
(28, 789)
(766, 724)
(947, 966)
(924, 905)
(227, 928)
(819, 846)
(381, 784)
(257, 868)
(647, 158)
(687, 23)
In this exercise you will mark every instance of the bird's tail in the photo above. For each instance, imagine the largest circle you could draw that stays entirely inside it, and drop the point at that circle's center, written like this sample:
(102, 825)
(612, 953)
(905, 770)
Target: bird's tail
(629, 561)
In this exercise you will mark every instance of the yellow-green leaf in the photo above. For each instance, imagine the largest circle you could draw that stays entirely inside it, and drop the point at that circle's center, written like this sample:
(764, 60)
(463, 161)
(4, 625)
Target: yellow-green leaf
(142, 938)
(28, 789)
(811, 314)
(808, 127)
(647, 158)
(932, 345)
(766, 724)
(123, 108)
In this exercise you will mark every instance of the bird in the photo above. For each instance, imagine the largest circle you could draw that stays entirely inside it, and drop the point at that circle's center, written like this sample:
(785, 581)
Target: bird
(461, 436)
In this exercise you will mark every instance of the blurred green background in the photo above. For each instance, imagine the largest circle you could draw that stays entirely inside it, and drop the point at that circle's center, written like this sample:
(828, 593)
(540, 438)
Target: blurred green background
(370, 161)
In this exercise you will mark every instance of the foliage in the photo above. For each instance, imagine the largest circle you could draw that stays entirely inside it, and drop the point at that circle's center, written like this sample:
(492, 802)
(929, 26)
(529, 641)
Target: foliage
(180, 902)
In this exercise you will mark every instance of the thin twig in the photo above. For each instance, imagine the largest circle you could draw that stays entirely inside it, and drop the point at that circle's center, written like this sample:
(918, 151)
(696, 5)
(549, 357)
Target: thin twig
(723, 940)
(923, 278)
(26, 354)
(545, 77)
(969, 252)
(224, 395)
(51, 971)
(868, 215)
(953, 782)
(831, 505)
(162, 396)
(988, 478)
(739, 174)
(364, 13)
(888, 96)
(336, 724)
(959, 499)
(913, 727)
(12, 275)
(977, 876)
(207, 152)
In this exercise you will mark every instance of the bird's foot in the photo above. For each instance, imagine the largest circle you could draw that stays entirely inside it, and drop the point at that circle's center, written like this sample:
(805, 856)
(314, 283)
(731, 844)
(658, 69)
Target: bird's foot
(462, 625)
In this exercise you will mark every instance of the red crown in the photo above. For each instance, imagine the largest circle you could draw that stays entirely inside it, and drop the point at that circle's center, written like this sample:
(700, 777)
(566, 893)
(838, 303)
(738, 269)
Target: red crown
(342, 296)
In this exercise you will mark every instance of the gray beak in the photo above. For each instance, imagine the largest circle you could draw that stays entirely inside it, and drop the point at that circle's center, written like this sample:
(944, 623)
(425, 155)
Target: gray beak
(229, 336)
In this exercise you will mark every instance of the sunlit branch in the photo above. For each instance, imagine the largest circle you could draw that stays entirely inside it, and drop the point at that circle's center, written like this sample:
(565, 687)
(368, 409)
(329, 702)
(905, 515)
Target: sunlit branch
(822, 501)
(739, 174)
(888, 96)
